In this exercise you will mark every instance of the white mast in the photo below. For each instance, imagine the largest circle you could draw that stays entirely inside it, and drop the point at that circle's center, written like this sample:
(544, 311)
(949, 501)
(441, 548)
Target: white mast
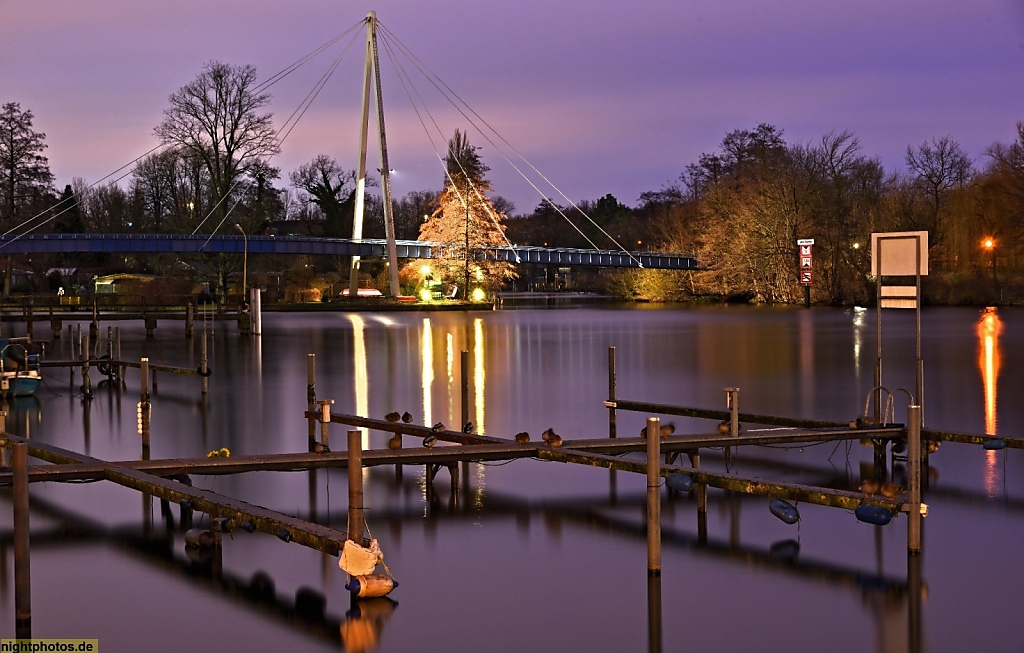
(372, 71)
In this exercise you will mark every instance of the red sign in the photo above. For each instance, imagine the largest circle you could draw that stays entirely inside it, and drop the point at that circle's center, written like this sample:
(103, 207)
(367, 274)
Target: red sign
(805, 277)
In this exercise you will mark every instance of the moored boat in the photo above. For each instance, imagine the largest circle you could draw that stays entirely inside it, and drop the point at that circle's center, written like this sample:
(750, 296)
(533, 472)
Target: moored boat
(19, 369)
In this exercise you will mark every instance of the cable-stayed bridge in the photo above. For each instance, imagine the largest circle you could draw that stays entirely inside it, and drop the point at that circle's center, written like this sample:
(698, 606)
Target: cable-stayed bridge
(231, 244)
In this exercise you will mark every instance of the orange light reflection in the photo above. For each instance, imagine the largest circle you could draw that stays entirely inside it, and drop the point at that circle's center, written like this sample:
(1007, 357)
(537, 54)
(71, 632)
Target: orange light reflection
(989, 327)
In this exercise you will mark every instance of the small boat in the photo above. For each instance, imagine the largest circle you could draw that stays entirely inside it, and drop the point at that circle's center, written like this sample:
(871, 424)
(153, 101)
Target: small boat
(19, 370)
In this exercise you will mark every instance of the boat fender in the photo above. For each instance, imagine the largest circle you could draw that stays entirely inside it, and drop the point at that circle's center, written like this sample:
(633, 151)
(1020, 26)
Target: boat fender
(995, 444)
(371, 585)
(679, 482)
(870, 514)
(784, 510)
(199, 538)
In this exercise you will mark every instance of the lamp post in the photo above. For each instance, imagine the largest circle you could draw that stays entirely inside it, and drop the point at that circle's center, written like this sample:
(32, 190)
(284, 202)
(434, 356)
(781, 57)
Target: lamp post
(990, 245)
(245, 264)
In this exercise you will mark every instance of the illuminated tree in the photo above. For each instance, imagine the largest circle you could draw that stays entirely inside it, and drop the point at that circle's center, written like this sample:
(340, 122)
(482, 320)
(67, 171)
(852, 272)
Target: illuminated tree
(467, 222)
(217, 119)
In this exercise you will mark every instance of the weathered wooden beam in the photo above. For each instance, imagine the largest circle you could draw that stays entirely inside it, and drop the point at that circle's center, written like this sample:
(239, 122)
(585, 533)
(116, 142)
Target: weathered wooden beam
(66, 469)
(969, 438)
(683, 411)
(175, 369)
(314, 536)
(685, 442)
(792, 491)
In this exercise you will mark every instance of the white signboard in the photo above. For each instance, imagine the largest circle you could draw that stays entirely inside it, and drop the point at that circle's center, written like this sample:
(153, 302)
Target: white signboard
(899, 253)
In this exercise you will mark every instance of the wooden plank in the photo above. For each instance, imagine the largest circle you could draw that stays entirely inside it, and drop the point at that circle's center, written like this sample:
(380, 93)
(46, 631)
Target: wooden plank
(315, 536)
(792, 491)
(683, 411)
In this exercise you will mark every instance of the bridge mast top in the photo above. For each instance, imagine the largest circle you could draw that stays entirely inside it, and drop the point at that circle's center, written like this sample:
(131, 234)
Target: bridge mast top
(371, 71)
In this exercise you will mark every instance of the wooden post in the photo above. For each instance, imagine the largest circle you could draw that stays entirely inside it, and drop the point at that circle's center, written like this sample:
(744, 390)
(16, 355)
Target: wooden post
(701, 490)
(86, 384)
(204, 384)
(325, 422)
(612, 425)
(653, 496)
(4, 451)
(654, 613)
(190, 318)
(914, 472)
(94, 326)
(117, 349)
(311, 399)
(144, 403)
(256, 310)
(22, 576)
(28, 317)
(110, 342)
(355, 486)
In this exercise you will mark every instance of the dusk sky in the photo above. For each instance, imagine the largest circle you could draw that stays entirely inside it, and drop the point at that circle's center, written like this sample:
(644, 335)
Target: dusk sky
(602, 97)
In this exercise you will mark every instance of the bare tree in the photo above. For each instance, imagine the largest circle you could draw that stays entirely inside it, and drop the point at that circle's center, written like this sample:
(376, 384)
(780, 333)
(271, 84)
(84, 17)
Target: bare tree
(331, 188)
(938, 167)
(217, 119)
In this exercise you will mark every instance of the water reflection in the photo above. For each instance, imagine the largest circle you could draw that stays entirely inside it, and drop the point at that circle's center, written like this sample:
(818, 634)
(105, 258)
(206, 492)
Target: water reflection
(479, 375)
(362, 381)
(427, 374)
(989, 357)
(859, 322)
(989, 328)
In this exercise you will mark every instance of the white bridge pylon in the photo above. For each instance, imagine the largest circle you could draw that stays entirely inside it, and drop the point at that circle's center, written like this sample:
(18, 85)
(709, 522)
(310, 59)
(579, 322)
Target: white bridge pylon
(371, 72)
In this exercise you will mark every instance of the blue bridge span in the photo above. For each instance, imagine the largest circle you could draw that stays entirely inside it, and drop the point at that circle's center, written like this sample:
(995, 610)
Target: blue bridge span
(231, 244)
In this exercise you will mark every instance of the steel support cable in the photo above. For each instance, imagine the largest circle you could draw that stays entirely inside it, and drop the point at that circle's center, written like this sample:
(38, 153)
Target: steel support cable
(294, 119)
(70, 200)
(273, 79)
(431, 76)
(404, 78)
(428, 74)
(262, 86)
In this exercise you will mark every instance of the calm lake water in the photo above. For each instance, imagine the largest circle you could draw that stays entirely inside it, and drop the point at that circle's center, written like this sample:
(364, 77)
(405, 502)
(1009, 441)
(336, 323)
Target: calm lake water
(540, 556)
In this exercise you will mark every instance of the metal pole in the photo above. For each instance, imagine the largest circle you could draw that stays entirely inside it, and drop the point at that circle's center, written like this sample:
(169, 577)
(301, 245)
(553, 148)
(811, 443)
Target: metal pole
(653, 496)
(878, 331)
(364, 122)
(311, 400)
(355, 486)
(464, 371)
(914, 472)
(22, 575)
(917, 312)
(612, 423)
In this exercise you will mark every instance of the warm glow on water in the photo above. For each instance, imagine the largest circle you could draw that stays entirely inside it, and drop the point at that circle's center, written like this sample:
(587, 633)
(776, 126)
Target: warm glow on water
(989, 328)
(547, 542)
(479, 375)
(989, 358)
(362, 379)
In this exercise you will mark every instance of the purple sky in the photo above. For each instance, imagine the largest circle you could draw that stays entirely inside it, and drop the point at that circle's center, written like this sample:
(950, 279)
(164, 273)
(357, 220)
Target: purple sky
(602, 97)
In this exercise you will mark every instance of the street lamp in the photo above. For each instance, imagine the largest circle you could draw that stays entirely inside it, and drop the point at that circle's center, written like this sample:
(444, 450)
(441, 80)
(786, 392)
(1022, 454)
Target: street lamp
(245, 264)
(990, 245)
